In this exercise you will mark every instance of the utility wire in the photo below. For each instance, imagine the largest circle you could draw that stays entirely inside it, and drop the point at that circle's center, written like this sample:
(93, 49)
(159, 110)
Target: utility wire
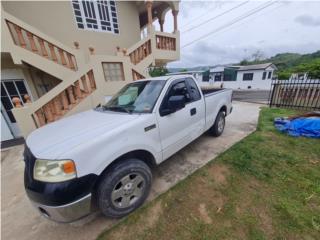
(215, 17)
(245, 22)
(260, 8)
(198, 17)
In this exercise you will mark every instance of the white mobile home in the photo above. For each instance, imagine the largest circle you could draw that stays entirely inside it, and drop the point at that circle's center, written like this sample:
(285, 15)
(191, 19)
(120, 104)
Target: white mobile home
(257, 76)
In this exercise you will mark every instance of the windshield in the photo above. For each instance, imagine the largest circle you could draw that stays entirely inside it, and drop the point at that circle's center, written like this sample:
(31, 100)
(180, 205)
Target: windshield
(136, 97)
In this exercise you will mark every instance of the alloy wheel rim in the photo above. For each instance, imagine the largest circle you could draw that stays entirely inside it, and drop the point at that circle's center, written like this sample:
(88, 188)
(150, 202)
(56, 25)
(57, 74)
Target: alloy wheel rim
(128, 190)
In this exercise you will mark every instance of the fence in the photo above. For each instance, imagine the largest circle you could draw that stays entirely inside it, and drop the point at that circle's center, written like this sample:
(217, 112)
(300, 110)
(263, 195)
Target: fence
(295, 93)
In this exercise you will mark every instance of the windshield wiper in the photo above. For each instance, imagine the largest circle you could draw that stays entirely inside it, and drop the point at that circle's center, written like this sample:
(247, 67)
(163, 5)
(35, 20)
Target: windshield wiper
(115, 108)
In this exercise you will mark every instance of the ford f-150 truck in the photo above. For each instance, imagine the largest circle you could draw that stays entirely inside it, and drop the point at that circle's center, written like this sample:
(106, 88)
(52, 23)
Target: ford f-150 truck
(102, 158)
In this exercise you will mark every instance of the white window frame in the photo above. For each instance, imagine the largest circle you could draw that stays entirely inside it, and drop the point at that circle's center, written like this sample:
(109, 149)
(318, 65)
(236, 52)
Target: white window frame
(95, 11)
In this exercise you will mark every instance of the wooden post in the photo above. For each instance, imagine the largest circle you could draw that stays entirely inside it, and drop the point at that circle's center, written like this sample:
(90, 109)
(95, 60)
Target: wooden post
(32, 42)
(70, 95)
(175, 20)
(57, 106)
(53, 53)
(84, 84)
(78, 90)
(91, 80)
(64, 100)
(43, 48)
(41, 118)
(71, 65)
(48, 113)
(62, 57)
(20, 36)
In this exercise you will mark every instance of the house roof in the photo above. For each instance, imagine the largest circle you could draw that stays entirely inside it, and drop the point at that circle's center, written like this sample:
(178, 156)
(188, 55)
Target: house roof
(256, 67)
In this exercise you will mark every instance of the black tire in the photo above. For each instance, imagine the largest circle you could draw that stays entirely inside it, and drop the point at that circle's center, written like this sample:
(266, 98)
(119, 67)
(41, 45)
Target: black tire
(110, 182)
(216, 129)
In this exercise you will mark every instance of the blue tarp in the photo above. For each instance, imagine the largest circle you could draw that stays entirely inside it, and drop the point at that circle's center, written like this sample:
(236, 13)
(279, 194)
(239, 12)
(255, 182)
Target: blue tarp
(307, 127)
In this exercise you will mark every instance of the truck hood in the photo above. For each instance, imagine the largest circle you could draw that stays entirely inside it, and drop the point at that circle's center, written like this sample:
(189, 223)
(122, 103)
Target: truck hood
(61, 136)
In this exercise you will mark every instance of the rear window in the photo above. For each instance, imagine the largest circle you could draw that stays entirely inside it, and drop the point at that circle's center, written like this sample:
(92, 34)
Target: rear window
(194, 91)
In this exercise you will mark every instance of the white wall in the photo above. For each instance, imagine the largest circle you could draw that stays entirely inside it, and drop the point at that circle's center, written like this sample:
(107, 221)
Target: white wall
(256, 83)
(5, 131)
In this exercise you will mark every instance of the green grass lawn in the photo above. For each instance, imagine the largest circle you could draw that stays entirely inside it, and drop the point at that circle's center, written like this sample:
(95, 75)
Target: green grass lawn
(267, 186)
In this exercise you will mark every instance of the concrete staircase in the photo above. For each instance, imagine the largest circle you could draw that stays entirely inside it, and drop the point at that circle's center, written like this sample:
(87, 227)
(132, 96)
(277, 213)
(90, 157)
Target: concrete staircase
(83, 85)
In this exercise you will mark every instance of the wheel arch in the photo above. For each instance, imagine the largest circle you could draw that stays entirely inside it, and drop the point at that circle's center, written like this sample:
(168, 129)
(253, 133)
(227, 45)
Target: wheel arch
(146, 156)
(224, 109)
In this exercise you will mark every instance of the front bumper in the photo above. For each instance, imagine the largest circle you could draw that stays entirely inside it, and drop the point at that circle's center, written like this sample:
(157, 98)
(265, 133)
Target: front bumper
(62, 201)
(66, 213)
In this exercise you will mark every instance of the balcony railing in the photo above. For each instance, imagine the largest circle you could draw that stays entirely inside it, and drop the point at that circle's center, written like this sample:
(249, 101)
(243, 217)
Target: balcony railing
(27, 40)
(65, 100)
(166, 43)
(141, 52)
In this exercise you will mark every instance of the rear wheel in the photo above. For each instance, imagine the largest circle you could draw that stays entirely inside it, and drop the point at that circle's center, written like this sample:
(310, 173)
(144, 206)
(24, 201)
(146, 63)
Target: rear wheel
(218, 126)
(124, 188)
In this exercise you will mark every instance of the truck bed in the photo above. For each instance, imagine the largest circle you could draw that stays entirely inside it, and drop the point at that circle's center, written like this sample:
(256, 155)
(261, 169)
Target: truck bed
(208, 91)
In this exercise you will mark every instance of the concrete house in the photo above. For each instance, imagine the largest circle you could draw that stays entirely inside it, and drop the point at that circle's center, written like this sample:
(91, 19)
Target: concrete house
(63, 57)
(257, 76)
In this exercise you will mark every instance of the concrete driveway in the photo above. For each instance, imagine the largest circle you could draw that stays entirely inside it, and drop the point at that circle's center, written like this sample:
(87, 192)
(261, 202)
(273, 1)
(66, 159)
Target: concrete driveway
(252, 96)
(21, 221)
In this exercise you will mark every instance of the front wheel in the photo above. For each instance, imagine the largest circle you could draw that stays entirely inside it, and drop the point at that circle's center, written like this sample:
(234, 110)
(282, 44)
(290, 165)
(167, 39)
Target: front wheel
(124, 188)
(218, 126)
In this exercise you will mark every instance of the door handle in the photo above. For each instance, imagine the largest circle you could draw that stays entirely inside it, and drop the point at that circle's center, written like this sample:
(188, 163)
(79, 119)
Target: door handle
(193, 111)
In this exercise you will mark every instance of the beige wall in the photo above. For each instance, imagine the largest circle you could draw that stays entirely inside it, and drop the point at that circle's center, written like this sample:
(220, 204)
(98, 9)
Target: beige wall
(15, 71)
(35, 78)
(56, 19)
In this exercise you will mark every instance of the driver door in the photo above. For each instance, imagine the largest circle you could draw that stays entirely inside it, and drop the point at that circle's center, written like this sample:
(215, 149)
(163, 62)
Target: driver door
(175, 128)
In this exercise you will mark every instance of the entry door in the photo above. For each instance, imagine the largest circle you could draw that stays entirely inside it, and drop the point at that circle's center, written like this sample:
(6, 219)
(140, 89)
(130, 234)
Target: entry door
(9, 89)
(176, 128)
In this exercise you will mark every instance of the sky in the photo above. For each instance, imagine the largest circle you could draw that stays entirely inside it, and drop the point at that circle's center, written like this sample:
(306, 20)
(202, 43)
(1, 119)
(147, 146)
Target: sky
(211, 32)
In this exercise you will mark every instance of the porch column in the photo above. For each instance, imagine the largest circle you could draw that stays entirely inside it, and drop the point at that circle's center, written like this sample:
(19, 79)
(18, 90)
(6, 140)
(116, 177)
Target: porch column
(161, 22)
(175, 20)
(149, 11)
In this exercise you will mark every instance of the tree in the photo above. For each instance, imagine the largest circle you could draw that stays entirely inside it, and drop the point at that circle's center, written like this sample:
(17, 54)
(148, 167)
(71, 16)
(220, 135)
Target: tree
(244, 62)
(184, 70)
(158, 71)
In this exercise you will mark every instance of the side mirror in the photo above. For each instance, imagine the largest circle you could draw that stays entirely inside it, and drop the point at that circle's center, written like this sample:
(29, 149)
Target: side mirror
(174, 104)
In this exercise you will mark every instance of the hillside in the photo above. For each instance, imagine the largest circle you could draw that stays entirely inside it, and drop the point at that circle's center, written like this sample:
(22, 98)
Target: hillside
(287, 63)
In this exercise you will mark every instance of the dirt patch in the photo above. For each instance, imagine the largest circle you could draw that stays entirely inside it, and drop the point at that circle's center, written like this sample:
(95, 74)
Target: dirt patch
(153, 215)
(149, 220)
(265, 221)
(204, 214)
(219, 173)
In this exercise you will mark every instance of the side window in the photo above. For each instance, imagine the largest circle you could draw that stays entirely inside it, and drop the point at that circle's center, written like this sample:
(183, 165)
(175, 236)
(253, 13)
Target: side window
(177, 89)
(193, 89)
(264, 75)
(180, 88)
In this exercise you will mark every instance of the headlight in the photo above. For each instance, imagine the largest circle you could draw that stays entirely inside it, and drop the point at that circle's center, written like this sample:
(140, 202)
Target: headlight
(54, 170)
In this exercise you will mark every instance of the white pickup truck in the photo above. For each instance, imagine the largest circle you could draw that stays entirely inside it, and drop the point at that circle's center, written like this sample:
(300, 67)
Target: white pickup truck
(102, 158)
